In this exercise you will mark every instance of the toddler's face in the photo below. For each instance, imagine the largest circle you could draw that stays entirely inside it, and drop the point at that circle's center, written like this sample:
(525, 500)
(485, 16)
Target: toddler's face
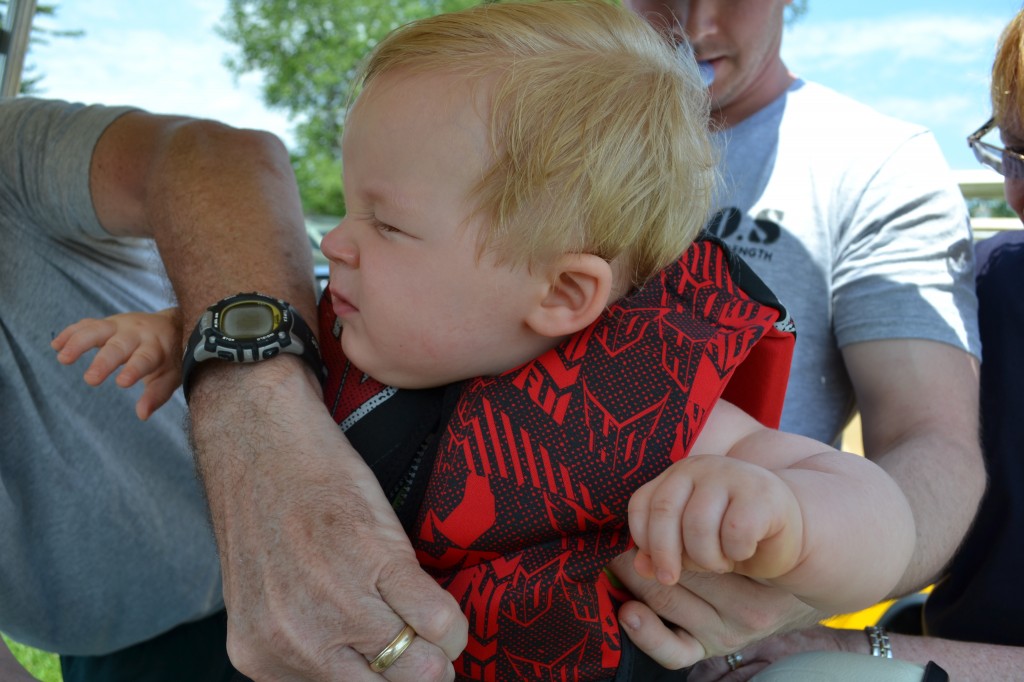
(419, 305)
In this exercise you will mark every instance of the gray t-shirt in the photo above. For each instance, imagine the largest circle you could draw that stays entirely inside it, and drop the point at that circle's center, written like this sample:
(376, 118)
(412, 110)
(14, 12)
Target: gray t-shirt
(856, 223)
(105, 538)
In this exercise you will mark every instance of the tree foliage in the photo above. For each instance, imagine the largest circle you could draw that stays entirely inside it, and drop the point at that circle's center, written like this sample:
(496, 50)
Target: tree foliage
(40, 35)
(309, 53)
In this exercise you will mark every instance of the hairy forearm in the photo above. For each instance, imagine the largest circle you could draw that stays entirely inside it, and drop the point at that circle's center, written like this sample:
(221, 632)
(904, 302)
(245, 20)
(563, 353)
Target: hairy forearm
(221, 202)
(319, 574)
(224, 208)
(962, 660)
(943, 481)
(271, 404)
(919, 410)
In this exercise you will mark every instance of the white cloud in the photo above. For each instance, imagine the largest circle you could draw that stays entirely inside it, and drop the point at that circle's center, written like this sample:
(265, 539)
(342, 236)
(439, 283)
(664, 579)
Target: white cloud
(164, 65)
(929, 68)
(941, 110)
(209, 11)
(900, 38)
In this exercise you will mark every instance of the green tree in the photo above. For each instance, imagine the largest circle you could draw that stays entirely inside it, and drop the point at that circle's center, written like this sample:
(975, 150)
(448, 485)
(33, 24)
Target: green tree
(29, 82)
(309, 53)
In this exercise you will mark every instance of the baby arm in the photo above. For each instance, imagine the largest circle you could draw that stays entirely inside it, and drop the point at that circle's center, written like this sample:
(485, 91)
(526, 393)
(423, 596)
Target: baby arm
(146, 344)
(830, 527)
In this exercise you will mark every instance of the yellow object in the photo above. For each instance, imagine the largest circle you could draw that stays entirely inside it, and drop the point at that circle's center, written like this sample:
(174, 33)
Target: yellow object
(862, 619)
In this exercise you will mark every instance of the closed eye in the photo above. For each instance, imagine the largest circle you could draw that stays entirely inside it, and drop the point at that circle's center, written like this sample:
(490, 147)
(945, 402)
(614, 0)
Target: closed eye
(383, 227)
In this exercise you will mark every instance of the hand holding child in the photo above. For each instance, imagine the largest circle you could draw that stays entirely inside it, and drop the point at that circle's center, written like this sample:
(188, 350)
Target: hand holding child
(709, 513)
(147, 345)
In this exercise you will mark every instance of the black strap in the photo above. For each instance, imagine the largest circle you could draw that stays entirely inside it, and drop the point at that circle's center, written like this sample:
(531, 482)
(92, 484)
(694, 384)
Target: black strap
(398, 440)
(933, 673)
(636, 666)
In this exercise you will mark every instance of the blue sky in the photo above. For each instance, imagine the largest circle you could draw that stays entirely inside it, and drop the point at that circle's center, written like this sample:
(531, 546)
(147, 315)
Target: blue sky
(925, 61)
(922, 60)
(163, 56)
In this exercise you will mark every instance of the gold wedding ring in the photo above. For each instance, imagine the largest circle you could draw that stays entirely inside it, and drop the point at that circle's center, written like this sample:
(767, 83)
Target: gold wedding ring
(389, 654)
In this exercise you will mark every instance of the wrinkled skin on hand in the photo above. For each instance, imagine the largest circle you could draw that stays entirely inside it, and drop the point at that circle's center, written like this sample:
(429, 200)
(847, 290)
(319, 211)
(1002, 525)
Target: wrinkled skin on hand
(709, 614)
(319, 575)
(760, 655)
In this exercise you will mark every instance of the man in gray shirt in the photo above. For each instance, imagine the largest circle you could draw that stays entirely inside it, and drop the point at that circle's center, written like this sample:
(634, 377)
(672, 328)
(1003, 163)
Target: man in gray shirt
(107, 557)
(854, 220)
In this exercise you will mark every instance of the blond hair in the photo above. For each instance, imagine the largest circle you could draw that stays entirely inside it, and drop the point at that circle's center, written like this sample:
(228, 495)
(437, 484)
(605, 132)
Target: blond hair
(1008, 76)
(599, 129)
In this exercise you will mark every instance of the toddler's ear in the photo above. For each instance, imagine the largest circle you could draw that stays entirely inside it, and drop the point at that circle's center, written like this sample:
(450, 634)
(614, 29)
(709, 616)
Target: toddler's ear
(579, 287)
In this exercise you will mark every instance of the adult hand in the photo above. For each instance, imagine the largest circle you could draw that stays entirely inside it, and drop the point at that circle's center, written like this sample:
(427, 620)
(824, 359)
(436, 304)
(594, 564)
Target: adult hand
(708, 614)
(962, 660)
(760, 655)
(319, 575)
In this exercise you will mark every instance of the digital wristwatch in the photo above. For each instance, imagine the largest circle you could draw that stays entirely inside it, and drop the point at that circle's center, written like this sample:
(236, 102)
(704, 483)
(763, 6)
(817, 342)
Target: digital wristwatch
(250, 327)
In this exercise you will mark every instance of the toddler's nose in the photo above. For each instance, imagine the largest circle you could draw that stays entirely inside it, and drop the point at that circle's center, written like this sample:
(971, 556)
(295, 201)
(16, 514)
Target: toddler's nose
(338, 248)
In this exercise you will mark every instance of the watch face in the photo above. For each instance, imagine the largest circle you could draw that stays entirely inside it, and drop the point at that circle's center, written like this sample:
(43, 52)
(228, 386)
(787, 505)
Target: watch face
(249, 320)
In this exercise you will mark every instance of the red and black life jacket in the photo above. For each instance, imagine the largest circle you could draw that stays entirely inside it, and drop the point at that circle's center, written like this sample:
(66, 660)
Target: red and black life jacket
(525, 477)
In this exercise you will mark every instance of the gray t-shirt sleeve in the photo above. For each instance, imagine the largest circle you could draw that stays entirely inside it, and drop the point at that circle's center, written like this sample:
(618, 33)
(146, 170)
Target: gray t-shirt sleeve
(44, 170)
(105, 535)
(856, 223)
(904, 263)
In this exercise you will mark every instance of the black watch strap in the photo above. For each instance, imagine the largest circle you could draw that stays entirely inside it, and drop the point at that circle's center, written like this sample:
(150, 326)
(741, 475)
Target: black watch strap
(247, 328)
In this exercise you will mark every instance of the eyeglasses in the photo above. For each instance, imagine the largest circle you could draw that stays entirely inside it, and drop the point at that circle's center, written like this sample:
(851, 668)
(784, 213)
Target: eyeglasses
(1006, 162)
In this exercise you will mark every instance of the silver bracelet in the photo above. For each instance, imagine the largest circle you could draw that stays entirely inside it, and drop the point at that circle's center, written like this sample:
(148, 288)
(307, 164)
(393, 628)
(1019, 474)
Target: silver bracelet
(878, 640)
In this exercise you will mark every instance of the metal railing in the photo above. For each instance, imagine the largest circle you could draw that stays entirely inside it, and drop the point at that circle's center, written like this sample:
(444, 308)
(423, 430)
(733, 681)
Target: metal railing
(980, 187)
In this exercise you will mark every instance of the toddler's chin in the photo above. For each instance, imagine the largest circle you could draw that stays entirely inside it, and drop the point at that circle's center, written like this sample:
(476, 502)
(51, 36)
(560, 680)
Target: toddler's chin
(353, 350)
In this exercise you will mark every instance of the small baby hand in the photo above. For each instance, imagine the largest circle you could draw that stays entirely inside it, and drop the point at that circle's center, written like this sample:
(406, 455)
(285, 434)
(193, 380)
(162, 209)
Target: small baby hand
(147, 345)
(718, 514)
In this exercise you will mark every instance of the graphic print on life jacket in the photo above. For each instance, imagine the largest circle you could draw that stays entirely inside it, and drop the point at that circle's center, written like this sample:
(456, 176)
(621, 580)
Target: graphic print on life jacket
(526, 501)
